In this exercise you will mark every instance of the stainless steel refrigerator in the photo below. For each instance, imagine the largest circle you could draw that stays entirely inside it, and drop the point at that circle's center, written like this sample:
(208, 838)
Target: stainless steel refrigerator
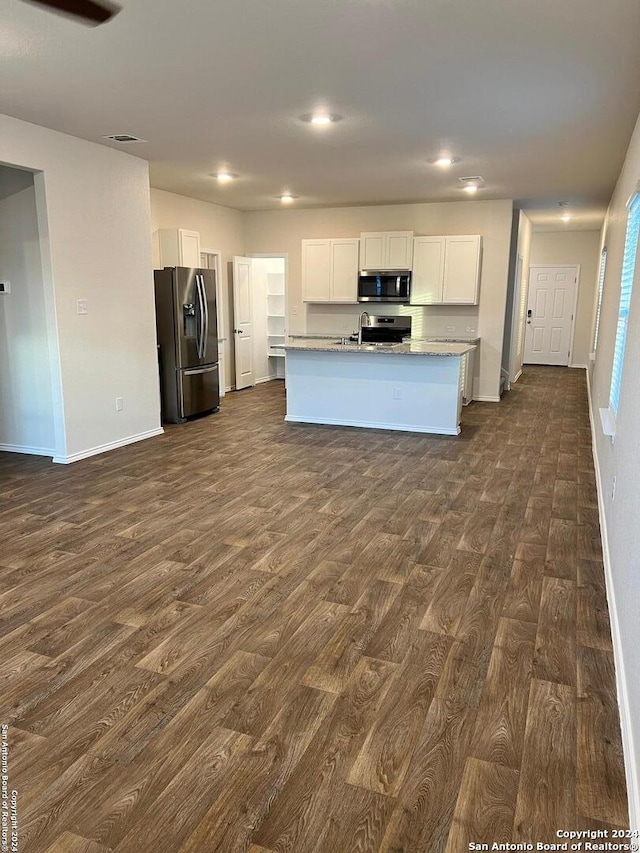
(187, 342)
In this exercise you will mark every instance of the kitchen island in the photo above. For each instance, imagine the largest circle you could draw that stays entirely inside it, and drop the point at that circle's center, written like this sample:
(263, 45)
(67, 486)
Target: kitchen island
(414, 387)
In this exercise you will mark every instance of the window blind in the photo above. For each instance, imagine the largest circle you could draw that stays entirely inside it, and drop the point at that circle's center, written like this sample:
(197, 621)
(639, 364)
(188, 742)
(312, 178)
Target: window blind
(603, 266)
(626, 286)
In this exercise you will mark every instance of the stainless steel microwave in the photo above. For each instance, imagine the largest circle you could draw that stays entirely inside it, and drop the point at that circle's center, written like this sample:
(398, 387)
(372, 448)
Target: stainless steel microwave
(384, 286)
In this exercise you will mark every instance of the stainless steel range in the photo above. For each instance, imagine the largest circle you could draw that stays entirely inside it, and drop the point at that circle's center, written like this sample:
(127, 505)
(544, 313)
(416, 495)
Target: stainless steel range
(384, 330)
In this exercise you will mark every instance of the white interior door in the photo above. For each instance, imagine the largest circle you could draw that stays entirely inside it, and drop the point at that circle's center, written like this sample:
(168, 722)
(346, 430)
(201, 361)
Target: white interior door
(243, 322)
(550, 309)
(210, 260)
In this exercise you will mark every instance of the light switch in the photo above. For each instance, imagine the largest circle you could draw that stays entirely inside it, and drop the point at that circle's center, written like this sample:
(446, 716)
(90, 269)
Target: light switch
(82, 306)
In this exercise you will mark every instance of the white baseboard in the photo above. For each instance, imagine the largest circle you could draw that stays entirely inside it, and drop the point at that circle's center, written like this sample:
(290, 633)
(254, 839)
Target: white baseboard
(631, 771)
(265, 379)
(103, 448)
(581, 366)
(32, 451)
(486, 398)
(517, 376)
(371, 425)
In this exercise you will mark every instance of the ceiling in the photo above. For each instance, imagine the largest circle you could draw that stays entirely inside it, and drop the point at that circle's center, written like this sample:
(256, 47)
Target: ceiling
(540, 98)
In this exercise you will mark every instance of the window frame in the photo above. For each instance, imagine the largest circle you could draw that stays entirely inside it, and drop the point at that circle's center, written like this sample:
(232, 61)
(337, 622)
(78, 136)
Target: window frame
(601, 275)
(630, 253)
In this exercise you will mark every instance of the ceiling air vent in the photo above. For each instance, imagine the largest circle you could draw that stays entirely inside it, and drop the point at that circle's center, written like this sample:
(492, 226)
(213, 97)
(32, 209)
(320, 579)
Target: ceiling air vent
(472, 179)
(124, 138)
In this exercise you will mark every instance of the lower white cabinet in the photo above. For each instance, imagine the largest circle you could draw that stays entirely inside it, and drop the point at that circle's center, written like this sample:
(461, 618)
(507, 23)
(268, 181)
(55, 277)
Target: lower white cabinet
(446, 270)
(466, 376)
(330, 270)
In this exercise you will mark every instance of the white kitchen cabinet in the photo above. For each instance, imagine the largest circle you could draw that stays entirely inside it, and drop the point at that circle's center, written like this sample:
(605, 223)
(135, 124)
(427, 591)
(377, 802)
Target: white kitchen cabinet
(386, 250)
(330, 270)
(344, 270)
(468, 367)
(461, 270)
(428, 270)
(316, 270)
(446, 270)
(177, 247)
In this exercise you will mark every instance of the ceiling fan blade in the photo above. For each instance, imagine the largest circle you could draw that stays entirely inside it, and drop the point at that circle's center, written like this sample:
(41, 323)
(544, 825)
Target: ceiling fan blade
(92, 12)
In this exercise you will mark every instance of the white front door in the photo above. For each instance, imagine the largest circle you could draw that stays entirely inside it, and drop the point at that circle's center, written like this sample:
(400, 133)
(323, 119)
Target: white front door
(549, 320)
(243, 322)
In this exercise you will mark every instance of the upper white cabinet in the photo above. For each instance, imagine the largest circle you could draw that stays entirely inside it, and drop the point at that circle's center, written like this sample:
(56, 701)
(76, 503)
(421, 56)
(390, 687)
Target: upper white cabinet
(316, 270)
(446, 270)
(330, 270)
(461, 270)
(177, 247)
(428, 270)
(386, 250)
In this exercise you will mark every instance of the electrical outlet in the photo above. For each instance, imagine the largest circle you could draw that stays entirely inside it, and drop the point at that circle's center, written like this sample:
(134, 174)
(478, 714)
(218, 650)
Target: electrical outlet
(397, 393)
(5, 286)
(469, 329)
(613, 489)
(82, 306)
(451, 328)
(119, 404)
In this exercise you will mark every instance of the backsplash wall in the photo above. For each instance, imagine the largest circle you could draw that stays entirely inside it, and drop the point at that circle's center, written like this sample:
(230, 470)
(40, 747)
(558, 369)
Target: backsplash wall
(426, 321)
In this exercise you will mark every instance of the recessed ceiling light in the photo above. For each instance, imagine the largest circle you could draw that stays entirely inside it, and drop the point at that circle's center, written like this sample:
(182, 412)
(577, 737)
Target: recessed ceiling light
(225, 177)
(470, 188)
(445, 161)
(565, 217)
(286, 198)
(321, 119)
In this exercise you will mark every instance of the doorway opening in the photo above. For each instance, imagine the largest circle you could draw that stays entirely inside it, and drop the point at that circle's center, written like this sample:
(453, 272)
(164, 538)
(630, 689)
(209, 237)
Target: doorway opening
(259, 318)
(31, 416)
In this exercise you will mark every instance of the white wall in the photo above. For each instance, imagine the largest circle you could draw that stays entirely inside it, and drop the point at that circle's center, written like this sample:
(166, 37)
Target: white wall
(620, 459)
(513, 346)
(26, 399)
(283, 231)
(95, 226)
(573, 247)
(219, 228)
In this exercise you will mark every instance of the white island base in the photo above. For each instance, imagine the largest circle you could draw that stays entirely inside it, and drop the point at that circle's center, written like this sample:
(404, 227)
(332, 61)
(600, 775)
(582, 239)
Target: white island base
(398, 389)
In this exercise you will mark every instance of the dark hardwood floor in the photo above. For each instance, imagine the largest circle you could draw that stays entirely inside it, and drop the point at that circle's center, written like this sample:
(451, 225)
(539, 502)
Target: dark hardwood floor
(252, 636)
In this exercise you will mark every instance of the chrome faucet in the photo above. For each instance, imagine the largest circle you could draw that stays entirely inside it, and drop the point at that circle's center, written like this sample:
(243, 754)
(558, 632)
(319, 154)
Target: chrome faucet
(362, 316)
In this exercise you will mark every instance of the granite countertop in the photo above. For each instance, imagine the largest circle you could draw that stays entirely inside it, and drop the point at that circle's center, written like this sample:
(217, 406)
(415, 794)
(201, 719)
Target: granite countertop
(450, 339)
(303, 336)
(413, 348)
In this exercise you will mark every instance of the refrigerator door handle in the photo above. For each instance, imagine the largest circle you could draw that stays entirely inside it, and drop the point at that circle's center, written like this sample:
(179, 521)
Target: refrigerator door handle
(205, 333)
(202, 310)
(196, 371)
